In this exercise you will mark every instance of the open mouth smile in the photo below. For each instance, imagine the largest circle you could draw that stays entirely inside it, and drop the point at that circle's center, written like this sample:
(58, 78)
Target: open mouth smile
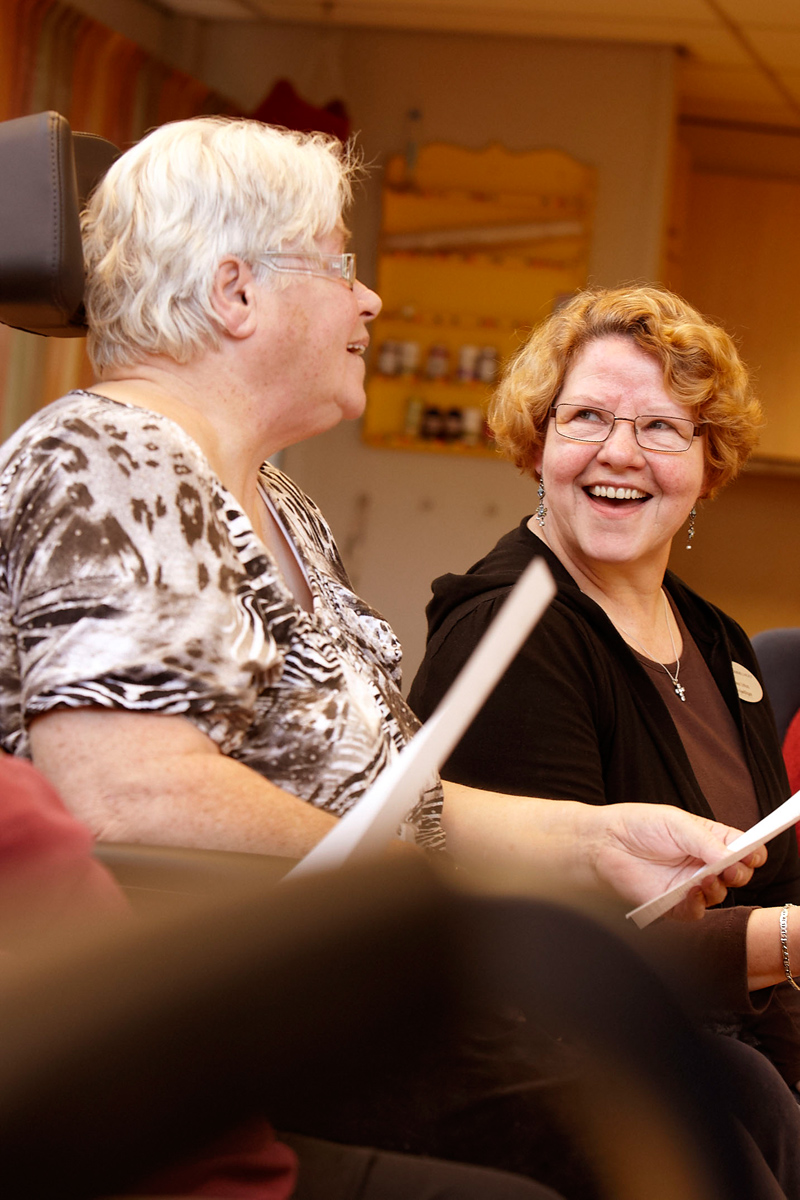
(616, 494)
(357, 348)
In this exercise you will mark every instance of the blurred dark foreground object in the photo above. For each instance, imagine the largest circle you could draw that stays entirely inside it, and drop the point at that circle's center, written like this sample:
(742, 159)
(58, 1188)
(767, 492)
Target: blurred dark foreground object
(133, 1046)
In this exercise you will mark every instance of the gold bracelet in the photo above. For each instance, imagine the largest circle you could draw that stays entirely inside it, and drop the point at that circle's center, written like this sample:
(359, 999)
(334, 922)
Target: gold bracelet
(785, 945)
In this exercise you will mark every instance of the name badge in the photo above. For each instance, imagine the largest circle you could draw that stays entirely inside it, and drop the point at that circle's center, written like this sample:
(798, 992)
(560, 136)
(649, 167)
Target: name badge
(747, 685)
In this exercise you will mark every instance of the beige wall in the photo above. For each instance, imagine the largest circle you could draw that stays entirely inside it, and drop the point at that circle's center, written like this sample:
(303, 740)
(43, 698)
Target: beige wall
(744, 556)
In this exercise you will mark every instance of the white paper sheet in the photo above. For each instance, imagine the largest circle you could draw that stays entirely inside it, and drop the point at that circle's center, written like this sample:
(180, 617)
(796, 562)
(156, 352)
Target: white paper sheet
(371, 823)
(763, 831)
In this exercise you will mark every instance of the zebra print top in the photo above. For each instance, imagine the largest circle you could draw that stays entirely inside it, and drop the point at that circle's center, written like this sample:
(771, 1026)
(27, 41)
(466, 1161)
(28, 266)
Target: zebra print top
(130, 578)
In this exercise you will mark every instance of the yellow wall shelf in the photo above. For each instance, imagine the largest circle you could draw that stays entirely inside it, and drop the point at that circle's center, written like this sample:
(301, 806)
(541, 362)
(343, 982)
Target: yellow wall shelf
(476, 248)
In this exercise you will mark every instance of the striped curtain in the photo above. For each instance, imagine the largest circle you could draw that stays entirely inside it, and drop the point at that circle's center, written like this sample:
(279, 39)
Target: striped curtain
(52, 57)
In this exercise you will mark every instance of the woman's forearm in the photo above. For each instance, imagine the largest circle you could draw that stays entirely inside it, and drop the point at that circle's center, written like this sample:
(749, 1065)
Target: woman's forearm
(538, 834)
(638, 850)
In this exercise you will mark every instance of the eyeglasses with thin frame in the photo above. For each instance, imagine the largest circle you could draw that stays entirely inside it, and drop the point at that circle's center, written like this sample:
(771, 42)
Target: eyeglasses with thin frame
(325, 266)
(667, 435)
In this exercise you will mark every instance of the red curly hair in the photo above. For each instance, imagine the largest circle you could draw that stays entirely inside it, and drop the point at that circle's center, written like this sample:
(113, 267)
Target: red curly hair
(701, 366)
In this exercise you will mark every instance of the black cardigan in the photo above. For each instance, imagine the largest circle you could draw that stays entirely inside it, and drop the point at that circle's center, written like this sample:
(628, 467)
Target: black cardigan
(576, 716)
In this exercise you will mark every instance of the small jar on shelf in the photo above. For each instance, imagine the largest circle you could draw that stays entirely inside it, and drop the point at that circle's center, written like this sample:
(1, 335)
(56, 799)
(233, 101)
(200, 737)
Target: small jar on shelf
(467, 363)
(472, 422)
(387, 358)
(437, 365)
(453, 425)
(408, 357)
(486, 364)
(412, 425)
(432, 427)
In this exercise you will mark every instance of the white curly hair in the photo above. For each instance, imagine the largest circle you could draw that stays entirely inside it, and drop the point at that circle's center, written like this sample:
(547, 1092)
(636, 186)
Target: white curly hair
(172, 207)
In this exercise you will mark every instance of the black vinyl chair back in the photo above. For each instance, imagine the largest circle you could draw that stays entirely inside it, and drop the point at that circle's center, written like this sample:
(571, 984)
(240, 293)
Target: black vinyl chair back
(778, 654)
(46, 173)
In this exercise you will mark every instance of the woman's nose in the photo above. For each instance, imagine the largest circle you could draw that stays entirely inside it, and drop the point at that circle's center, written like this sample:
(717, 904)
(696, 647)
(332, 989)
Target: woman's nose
(369, 302)
(621, 443)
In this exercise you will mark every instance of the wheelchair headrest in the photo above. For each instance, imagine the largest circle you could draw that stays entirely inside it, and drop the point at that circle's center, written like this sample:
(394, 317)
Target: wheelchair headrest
(46, 174)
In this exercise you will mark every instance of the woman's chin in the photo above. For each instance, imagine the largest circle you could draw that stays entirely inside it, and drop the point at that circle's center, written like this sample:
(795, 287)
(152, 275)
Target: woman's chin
(619, 547)
(353, 407)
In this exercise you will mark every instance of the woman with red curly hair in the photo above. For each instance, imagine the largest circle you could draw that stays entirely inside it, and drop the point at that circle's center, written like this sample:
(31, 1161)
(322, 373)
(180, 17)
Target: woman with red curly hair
(628, 409)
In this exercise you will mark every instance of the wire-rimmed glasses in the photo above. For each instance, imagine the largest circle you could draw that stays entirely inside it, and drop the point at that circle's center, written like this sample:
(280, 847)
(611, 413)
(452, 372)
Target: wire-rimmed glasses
(667, 435)
(326, 266)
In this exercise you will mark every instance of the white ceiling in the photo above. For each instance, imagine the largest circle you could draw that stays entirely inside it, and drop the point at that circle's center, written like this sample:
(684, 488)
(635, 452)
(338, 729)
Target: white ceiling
(740, 58)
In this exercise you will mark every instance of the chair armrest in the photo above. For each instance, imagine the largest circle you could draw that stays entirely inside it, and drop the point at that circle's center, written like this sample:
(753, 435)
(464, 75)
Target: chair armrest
(153, 876)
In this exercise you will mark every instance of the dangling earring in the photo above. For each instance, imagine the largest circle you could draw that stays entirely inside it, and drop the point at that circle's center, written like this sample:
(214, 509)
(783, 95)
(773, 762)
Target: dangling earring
(541, 511)
(690, 530)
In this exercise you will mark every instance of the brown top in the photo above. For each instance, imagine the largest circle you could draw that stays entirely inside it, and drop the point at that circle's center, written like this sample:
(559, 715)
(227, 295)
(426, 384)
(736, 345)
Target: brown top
(709, 734)
(713, 746)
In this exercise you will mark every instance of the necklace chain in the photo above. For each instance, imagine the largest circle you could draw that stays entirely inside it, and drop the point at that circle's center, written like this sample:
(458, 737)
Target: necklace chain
(679, 689)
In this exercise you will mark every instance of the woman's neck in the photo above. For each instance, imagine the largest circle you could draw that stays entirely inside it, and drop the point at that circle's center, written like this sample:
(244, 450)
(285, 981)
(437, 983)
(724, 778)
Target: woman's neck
(630, 594)
(235, 459)
(231, 445)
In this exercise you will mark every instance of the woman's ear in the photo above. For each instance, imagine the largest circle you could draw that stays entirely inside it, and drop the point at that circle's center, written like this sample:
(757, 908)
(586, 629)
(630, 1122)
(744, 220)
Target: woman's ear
(233, 297)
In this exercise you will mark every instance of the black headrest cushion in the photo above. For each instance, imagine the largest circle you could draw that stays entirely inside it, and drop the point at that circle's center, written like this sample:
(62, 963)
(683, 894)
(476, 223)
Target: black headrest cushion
(45, 175)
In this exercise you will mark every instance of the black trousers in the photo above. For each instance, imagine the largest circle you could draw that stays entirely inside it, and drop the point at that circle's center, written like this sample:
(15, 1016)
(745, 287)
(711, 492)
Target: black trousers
(503, 1106)
(768, 1115)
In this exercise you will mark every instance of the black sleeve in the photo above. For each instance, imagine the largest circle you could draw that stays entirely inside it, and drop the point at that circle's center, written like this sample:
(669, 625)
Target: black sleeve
(539, 732)
(709, 962)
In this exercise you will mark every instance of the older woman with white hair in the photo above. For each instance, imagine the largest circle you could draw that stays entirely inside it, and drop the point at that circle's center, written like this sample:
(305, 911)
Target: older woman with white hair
(202, 669)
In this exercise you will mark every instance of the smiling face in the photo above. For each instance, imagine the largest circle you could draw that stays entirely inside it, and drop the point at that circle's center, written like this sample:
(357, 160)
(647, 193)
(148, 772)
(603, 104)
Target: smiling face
(316, 340)
(613, 505)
